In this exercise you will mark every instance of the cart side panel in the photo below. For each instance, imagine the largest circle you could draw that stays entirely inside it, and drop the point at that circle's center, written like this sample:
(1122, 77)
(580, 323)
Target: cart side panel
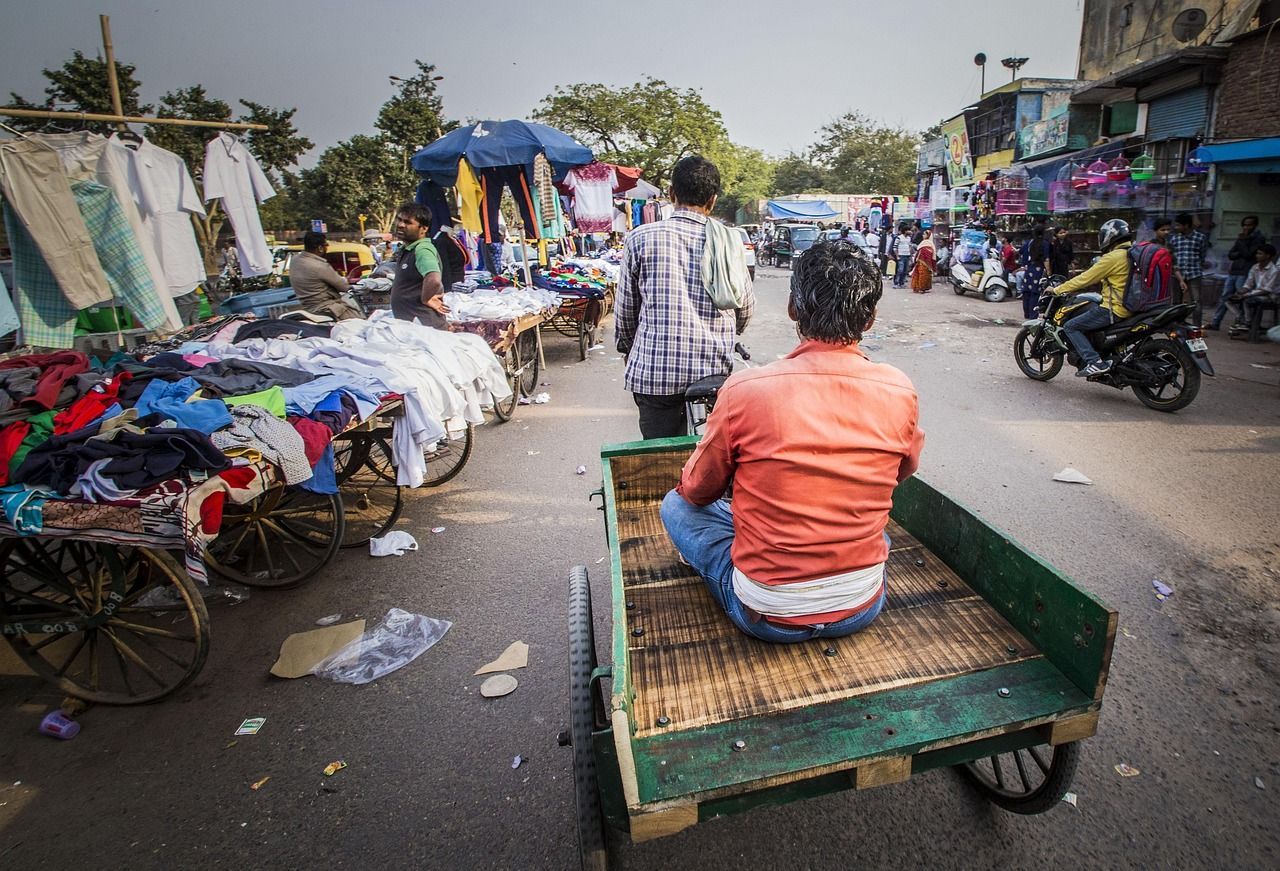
(1071, 627)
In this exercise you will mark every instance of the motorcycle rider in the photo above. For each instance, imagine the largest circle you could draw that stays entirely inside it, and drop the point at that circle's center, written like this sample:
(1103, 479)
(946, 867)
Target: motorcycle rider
(1112, 270)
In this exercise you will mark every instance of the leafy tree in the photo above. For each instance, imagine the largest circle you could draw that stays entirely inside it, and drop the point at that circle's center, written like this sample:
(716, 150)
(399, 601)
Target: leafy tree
(365, 175)
(414, 116)
(649, 124)
(747, 177)
(80, 85)
(797, 174)
(863, 156)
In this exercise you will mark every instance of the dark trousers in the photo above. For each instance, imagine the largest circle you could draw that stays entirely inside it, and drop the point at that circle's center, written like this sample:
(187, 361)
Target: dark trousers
(492, 180)
(660, 416)
(903, 271)
(1029, 301)
(1094, 317)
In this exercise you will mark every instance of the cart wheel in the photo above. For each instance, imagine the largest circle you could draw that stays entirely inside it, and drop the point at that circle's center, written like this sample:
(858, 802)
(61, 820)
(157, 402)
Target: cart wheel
(1024, 781)
(505, 409)
(349, 454)
(530, 367)
(450, 455)
(371, 501)
(279, 539)
(112, 624)
(583, 705)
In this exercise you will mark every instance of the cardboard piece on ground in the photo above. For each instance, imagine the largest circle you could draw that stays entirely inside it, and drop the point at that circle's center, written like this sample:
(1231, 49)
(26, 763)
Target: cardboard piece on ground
(303, 651)
(515, 656)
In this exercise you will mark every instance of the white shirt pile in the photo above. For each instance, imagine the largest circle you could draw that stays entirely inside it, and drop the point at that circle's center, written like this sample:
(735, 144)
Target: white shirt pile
(499, 305)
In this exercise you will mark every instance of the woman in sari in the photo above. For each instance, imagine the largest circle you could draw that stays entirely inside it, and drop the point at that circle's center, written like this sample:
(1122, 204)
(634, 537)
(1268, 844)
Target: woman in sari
(926, 263)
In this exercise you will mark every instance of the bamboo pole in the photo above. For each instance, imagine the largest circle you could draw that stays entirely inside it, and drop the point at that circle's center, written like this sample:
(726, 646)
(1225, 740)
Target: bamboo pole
(127, 119)
(113, 83)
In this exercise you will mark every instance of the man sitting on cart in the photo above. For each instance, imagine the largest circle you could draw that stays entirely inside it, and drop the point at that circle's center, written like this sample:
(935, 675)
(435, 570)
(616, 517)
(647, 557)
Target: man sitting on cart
(814, 445)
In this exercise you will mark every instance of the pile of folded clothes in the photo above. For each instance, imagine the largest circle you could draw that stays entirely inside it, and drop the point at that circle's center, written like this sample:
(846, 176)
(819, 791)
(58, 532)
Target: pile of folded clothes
(500, 305)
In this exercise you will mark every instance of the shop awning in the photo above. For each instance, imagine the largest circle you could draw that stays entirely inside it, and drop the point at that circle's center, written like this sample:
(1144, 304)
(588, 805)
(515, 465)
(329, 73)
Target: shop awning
(1248, 155)
(802, 210)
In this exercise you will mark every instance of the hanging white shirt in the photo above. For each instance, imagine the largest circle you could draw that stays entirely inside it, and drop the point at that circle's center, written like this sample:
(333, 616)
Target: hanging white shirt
(166, 198)
(233, 175)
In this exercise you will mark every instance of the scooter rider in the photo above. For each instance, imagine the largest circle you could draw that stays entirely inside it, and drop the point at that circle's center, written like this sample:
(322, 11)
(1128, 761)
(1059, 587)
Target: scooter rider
(1112, 270)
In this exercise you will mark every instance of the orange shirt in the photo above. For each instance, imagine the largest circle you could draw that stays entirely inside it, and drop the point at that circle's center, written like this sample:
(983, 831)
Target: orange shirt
(814, 444)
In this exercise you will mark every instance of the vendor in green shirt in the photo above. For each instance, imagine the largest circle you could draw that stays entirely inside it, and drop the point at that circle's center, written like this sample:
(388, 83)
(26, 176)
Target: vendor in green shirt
(417, 291)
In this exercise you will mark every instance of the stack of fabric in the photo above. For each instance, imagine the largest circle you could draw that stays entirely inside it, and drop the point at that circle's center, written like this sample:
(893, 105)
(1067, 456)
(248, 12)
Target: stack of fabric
(500, 305)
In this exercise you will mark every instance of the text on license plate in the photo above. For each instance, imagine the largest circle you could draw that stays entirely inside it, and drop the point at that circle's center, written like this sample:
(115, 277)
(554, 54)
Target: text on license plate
(1197, 345)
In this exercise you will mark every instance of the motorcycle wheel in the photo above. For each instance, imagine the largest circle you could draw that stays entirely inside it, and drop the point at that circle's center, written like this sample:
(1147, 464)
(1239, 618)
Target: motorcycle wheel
(1028, 351)
(1180, 388)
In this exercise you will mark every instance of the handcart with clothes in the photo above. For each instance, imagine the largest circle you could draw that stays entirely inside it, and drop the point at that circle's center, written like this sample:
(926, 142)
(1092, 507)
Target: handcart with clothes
(253, 449)
(587, 288)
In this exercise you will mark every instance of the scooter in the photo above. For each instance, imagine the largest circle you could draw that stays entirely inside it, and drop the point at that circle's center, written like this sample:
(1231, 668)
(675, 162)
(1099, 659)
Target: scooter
(989, 281)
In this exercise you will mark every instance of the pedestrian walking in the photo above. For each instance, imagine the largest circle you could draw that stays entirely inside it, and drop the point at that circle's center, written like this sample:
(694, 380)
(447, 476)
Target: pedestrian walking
(1190, 247)
(926, 264)
(1063, 253)
(902, 254)
(1035, 261)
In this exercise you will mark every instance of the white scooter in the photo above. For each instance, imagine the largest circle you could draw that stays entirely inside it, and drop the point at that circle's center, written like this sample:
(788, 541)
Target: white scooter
(989, 281)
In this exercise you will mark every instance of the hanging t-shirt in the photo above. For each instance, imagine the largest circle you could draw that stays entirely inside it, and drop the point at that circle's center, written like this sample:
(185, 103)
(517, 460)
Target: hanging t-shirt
(592, 187)
(469, 195)
(233, 175)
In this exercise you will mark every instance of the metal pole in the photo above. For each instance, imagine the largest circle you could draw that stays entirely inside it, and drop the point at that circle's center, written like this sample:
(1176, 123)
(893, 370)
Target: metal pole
(113, 83)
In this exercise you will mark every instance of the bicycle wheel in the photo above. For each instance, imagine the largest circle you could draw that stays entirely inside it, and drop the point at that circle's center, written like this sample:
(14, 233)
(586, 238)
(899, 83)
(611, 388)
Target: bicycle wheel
(530, 368)
(450, 455)
(371, 501)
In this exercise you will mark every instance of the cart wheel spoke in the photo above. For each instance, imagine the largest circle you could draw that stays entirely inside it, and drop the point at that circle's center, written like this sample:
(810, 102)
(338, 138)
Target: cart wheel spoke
(1022, 770)
(158, 650)
(84, 639)
(1027, 793)
(128, 653)
(1035, 754)
(140, 629)
(995, 766)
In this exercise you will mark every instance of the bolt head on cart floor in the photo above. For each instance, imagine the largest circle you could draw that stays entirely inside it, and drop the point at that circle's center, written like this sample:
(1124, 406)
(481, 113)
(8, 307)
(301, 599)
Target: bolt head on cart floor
(985, 658)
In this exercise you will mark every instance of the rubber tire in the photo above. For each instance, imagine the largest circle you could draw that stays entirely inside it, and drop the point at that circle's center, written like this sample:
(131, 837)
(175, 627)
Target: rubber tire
(991, 294)
(958, 288)
(1047, 796)
(584, 338)
(1191, 371)
(505, 409)
(469, 443)
(1019, 357)
(528, 380)
(582, 661)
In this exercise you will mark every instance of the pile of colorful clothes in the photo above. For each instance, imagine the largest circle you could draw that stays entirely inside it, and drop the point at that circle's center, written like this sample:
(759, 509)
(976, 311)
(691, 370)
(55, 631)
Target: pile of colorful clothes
(582, 278)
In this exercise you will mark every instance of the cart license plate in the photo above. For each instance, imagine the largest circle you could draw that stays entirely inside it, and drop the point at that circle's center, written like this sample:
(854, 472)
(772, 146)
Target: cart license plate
(1197, 345)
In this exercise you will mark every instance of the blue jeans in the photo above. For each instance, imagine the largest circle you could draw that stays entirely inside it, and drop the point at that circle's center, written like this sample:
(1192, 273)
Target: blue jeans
(1229, 287)
(704, 537)
(1092, 318)
(902, 273)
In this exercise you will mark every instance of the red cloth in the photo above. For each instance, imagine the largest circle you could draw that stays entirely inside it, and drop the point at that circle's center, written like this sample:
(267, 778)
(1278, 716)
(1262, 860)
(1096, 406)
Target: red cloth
(1009, 257)
(315, 437)
(815, 444)
(91, 406)
(55, 370)
(10, 438)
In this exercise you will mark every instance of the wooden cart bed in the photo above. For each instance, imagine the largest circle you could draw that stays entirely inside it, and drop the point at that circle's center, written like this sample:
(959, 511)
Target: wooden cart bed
(691, 685)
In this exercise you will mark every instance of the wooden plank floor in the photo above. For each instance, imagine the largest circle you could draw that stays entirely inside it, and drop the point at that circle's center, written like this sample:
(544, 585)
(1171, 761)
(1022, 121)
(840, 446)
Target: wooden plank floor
(694, 667)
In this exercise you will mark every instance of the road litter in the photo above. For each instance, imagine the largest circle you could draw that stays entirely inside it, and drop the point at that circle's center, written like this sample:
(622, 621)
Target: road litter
(499, 685)
(329, 621)
(1072, 476)
(258, 784)
(515, 656)
(1163, 590)
(602, 559)
(598, 347)
(533, 453)
(1126, 633)
(230, 744)
(436, 530)
(301, 652)
(58, 725)
(1001, 321)
(542, 399)
(524, 400)
(1124, 769)
(1257, 781)
(394, 543)
(1070, 798)
(334, 767)
(581, 470)
(251, 726)
(1260, 366)
(517, 762)
(392, 643)
(928, 345)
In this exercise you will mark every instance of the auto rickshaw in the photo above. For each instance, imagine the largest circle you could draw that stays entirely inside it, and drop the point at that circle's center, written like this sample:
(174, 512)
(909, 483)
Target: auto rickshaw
(791, 240)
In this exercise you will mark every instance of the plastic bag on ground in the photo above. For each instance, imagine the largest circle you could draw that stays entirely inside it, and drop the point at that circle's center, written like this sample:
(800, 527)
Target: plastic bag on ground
(394, 543)
(395, 641)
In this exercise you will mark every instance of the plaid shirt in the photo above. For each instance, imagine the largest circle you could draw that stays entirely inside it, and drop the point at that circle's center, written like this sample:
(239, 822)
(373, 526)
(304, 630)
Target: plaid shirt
(1188, 252)
(664, 319)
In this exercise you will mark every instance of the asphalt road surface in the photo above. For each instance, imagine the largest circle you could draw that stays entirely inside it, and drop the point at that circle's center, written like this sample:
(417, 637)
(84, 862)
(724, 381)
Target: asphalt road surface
(1192, 700)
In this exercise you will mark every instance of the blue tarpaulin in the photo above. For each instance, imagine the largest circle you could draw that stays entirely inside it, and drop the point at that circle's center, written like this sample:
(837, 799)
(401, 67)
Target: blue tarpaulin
(1249, 155)
(498, 143)
(810, 210)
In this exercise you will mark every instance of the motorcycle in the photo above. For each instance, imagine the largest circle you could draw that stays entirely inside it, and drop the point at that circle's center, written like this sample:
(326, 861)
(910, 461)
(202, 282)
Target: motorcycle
(1154, 352)
(700, 396)
(989, 281)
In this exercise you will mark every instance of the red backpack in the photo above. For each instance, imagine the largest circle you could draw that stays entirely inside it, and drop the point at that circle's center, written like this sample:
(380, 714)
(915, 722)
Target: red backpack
(1150, 282)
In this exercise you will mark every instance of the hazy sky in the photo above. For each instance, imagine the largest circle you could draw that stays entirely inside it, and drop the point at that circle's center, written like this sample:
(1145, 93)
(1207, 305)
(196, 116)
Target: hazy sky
(776, 71)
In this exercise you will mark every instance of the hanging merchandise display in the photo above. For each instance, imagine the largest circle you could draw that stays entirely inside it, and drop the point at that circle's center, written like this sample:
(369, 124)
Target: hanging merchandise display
(492, 181)
(470, 197)
(592, 186)
(1079, 177)
(1143, 168)
(233, 175)
(1119, 169)
(1096, 174)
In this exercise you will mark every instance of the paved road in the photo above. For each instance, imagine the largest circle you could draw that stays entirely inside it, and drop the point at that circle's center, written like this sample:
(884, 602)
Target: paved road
(1192, 700)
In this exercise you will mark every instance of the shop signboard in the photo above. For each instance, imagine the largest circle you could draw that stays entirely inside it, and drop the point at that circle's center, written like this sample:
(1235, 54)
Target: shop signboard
(959, 161)
(932, 155)
(1043, 137)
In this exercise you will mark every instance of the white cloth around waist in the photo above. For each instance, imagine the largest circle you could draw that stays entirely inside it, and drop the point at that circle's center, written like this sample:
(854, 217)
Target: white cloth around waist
(847, 591)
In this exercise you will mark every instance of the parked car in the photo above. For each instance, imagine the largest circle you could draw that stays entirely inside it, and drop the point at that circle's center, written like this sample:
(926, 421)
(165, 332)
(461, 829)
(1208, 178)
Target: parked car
(751, 251)
(854, 238)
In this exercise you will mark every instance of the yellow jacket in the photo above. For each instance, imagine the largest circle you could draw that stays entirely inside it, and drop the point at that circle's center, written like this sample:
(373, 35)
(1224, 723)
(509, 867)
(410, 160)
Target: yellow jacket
(1112, 269)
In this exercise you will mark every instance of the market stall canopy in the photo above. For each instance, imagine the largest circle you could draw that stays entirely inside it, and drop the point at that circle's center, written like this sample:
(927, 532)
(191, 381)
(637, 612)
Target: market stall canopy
(1249, 155)
(498, 143)
(810, 210)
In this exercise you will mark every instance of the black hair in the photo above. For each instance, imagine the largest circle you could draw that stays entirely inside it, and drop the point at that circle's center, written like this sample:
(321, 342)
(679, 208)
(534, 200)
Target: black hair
(1185, 220)
(1269, 248)
(312, 241)
(695, 181)
(834, 292)
(1165, 222)
(1253, 218)
(416, 211)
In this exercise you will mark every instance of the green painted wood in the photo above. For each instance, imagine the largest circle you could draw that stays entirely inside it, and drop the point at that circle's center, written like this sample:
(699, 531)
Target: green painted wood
(1067, 624)
(903, 722)
(621, 696)
(609, 780)
(652, 446)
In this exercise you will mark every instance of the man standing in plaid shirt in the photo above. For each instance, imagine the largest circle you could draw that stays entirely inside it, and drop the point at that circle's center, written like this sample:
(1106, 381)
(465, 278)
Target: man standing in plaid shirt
(666, 323)
(1189, 247)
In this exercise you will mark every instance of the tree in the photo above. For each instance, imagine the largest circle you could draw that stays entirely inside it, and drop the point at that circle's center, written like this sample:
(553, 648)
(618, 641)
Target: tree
(863, 156)
(649, 124)
(81, 86)
(364, 175)
(747, 177)
(797, 174)
(414, 116)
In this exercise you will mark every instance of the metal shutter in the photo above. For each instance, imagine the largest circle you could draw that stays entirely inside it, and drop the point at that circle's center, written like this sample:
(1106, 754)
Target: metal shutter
(1179, 116)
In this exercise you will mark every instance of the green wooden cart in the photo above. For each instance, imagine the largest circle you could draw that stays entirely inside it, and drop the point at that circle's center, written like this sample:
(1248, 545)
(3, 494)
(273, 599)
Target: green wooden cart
(985, 657)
